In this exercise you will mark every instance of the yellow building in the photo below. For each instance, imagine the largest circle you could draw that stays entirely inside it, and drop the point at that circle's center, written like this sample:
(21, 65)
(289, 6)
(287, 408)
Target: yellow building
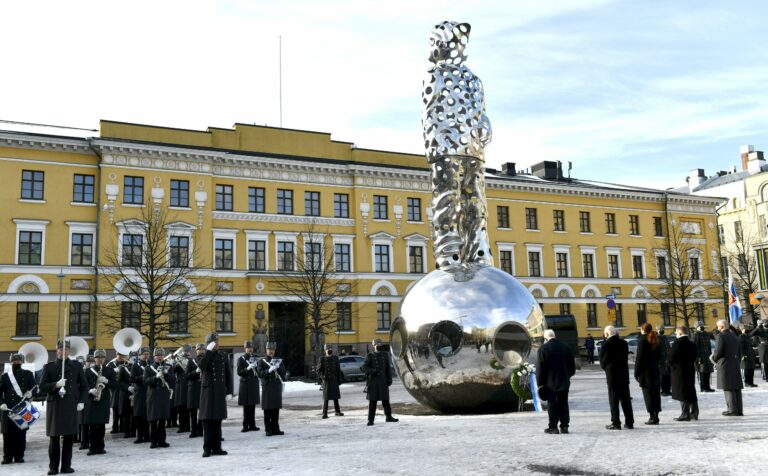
(244, 198)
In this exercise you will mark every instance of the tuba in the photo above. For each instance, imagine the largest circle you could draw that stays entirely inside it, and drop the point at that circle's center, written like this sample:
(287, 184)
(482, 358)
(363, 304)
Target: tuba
(34, 354)
(127, 340)
(79, 347)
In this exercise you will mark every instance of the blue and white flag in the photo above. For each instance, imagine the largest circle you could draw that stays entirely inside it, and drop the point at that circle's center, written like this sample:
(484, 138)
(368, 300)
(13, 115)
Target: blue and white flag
(734, 306)
(535, 392)
(25, 415)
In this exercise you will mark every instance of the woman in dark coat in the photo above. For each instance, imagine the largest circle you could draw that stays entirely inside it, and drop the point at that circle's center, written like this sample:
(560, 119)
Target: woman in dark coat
(647, 372)
(682, 364)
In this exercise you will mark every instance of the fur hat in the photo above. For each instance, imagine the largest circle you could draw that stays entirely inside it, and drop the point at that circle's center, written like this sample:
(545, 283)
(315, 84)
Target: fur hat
(211, 337)
(19, 357)
(144, 350)
(328, 347)
(159, 351)
(248, 344)
(61, 345)
(376, 342)
(199, 346)
(90, 358)
(100, 353)
(272, 345)
(187, 347)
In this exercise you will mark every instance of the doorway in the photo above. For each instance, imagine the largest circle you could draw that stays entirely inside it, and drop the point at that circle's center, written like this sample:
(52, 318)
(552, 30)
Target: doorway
(286, 328)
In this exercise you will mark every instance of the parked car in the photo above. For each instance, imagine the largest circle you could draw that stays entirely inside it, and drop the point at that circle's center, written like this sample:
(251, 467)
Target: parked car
(350, 367)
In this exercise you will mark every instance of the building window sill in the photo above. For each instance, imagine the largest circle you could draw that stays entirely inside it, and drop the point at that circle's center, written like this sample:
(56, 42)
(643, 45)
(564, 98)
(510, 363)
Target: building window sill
(382, 220)
(82, 336)
(636, 236)
(31, 200)
(82, 204)
(18, 338)
(505, 228)
(346, 333)
(533, 230)
(611, 234)
(180, 208)
(227, 334)
(415, 222)
(559, 231)
(183, 334)
(586, 233)
(382, 331)
(134, 205)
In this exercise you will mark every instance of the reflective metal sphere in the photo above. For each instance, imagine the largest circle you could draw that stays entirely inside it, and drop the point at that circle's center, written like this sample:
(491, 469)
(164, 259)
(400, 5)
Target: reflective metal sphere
(451, 327)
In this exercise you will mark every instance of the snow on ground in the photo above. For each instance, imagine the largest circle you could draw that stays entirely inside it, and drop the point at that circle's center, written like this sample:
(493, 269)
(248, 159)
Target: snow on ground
(427, 443)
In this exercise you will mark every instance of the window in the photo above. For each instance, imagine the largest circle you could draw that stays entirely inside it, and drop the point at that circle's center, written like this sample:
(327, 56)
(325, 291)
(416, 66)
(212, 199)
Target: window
(255, 200)
(130, 315)
(416, 259)
(502, 214)
(224, 197)
(384, 315)
(720, 235)
(414, 209)
(381, 255)
(641, 314)
(531, 222)
(637, 267)
(223, 254)
(613, 266)
(559, 219)
(619, 315)
(223, 317)
(665, 319)
(634, 225)
(312, 204)
(724, 265)
(79, 318)
(661, 267)
(26, 318)
(285, 256)
(699, 311)
(694, 261)
(178, 319)
(30, 247)
(284, 202)
(562, 265)
(534, 263)
(737, 230)
(343, 316)
(83, 189)
(565, 308)
(341, 257)
(380, 207)
(658, 228)
(505, 261)
(82, 249)
(180, 193)
(132, 250)
(32, 184)
(610, 223)
(591, 315)
(179, 246)
(340, 205)
(133, 190)
(585, 222)
(313, 256)
(588, 263)
(257, 255)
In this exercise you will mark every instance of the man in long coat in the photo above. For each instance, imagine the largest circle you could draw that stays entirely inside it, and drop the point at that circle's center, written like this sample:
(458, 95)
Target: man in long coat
(193, 391)
(761, 332)
(682, 363)
(271, 371)
(329, 370)
(704, 364)
(15, 386)
(663, 359)
(180, 392)
(96, 413)
(248, 395)
(216, 384)
(614, 355)
(159, 381)
(114, 395)
(65, 396)
(748, 356)
(123, 395)
(378, 368)
(556, 367)
(140, 396)
(727, 357)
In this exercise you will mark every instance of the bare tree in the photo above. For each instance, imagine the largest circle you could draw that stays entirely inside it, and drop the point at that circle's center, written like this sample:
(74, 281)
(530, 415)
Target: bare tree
(742, 264)
(159, 285)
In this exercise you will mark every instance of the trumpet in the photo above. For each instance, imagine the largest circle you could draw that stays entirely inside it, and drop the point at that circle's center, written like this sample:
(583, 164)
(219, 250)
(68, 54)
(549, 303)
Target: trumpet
(99, 386)
(178, 358)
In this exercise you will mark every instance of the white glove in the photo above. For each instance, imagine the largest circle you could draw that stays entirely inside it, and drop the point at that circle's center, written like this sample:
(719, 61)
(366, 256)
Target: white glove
(211, 345)
(92, 391)
(229, 396)
(102, 380)
(61, 383)
(3, 407)
(160, 372)
(197, 370)
(131, 389)
(80, 407)
(251, 366)
(28, 395)
(272, 368)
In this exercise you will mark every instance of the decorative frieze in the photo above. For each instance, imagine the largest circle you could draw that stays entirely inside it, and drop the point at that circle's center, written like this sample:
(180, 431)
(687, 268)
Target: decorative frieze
(273, 218)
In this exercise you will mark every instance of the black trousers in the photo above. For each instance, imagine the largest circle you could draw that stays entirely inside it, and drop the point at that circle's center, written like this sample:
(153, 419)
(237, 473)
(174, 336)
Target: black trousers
(689, 409)
(85, 437)
(652, 398)
(60, 451)
(620, 396)
(749, 376)
(249, 417)
(765, 369)
(557, 409)
(666, 383)
(704, 381)
(96, 436)
(157, 431)
(126, 424)
(335, 406)
(196, 426)
(212, 435)
(14, 442)
(142, 428)
(172, 422)
(272, 420)
(372, 409)
(591, 356)
(733, 401)
(116, 421)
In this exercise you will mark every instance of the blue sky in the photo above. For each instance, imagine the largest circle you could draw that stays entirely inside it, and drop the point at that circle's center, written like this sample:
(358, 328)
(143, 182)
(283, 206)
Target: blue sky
(636, 92)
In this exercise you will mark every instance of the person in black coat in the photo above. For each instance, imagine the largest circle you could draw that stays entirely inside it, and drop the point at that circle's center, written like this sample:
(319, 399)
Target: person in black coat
(761, 332)
(140, 396)
(378, 368)
(682, 363)
(663, 362)
(748, 356)
(704, 364)
(614, 355)
(180, 391)
(589, 344)
(727, 357)
(101, 384)
(159, 381)
(14, 438)
(248, 395)
(65, 396)
(216, 384)
(193, 391)
(271, 371)
(114, 395)
(647, 372)
(329, 371)
(125, 394)
(556, 367)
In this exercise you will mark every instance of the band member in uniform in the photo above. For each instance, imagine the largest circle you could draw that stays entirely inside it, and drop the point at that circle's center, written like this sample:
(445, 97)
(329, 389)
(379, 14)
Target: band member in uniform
(140, 397)
(271, 371)
(114, 395)
(193, 391)
(84, 437)
(216, 385)
(15, 386)
(329, 372)
(379, 371)
(180, 394)
(65, 396)
(125, 395)
(101, 383)
(159, 381)
(248, 395)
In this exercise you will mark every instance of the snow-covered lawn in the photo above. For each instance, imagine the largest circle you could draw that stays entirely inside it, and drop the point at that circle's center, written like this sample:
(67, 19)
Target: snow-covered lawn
(425, 443)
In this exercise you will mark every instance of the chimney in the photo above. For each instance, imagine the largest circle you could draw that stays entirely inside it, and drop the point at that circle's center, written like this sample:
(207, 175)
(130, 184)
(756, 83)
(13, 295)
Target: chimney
(547, 170)
(744, 150)
(755, 162)
(508, 169)
(695, 178)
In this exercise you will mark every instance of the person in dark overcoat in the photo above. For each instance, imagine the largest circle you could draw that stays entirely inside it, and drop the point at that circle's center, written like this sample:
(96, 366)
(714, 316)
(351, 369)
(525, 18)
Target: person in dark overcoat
(704, 364)
(647, 371)
(248, 395)
(96, 412)
(682, 363)
(378, 368)
(180, 391)
(271, 371)
(727, 357)
(663, 362)
(114, 395)
(193, 391)
(140, 396)
(124, 394)
(556, 367)
(614, 355)
(15, 386)
(159, 381)
(748, 356)
(329, 371)
(589, 344)
(83, 436)
(216, 384)
(65, 396)
(761, 332)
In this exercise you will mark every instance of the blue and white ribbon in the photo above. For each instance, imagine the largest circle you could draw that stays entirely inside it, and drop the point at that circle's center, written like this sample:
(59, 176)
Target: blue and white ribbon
(535, 392)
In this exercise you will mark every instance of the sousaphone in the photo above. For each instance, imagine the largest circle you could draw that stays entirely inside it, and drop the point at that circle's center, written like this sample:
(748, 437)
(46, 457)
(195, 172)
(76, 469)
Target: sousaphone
(127, 340)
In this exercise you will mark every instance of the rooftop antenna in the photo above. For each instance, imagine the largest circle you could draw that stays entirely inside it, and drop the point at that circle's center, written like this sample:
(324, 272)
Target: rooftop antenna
(280, 74)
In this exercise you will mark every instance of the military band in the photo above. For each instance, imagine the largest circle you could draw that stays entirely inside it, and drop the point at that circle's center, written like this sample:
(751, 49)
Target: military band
(102, 382)
(216, 385)
(139, 397)
(271, 371)
(159, 382)
(248, 393)
(181, 390)
(16, 386)
(193, 391)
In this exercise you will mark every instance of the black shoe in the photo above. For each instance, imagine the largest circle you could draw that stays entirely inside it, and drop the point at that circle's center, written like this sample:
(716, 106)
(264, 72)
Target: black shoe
(726, 413)
(652, 422)
(180, 430)
(6, 461)
(19, 460)
(219, 453)
(244, 430)
(752, 385)
(339, 414)
(629, 426)
(551, 431)
(709, 390)
(254, 428)
(206, 454)
(267, 433)
(392, 419)
(137, 441)
(740, 414)
(325, 416)
(67, 470)
(52, 471)
(153, 445)
(666, 394)
(91, 453)
(613, 427)
(683, 418)
(564, 430)
(278, 433)
(370, 423)
(163, 445)
(193, 435)
(83, 447)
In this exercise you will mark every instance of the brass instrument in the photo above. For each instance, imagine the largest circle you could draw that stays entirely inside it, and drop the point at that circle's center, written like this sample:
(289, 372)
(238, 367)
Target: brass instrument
(161, 370)
(99, 386)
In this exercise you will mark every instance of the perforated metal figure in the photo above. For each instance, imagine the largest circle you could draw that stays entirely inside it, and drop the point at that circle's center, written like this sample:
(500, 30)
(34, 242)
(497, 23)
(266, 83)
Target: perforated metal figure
(456, 130)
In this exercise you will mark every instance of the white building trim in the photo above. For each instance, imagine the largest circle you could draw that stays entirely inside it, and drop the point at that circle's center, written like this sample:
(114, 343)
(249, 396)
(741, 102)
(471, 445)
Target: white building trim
(179, 228)
(567, 250)
(385, 284)
(257, 235)
(289, 237)
(418, 241)
(19, 281)
(225, 234)
(31, 225)
(566, 288)
(507, 246)
(345, 239)
(87, 228)
(382, 238)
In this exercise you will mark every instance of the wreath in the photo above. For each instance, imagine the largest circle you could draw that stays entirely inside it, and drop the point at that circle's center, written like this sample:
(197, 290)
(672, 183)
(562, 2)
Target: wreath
(521, 381)
(496, 365)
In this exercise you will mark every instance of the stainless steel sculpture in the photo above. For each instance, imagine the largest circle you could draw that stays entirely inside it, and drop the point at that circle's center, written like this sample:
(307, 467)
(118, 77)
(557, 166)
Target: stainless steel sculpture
(464, 327)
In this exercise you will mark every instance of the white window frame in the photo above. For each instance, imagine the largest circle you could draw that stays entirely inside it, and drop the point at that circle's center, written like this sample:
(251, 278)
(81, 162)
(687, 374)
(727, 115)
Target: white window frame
(342, 239)
(697, 253)
(86, 228)
(611, 250)
(257, 235)
(286, 236)
(130, 227)
(639, 252)
(535, 248)
(314, 238)
(179, 229)
(417, 241)
(225, 234)
(507, 246)
(589, 250)
(665, 254)
(382, 239)
(30, 225)
(567, 250)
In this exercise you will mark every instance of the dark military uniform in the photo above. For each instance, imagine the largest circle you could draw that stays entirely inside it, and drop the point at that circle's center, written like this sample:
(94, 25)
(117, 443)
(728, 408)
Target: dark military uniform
(140, 402)
(748, 359)
(761, 332)
(704, 365)
(727, 357)
(114, 400)
(61, 411)
(248, 395)
(14, 439)
(180, 398)
(666, 381)
(216, 384)
(124, 401)
(159, 395)
(329, 371)
(193, 396)
(96, 413)
(271, 394)
(379, 370)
